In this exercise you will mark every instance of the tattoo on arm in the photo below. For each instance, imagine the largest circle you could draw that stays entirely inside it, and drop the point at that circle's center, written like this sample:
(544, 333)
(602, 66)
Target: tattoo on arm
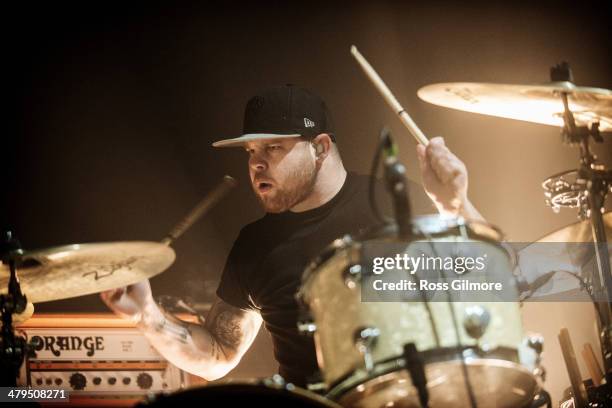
(216, 350)
(174, 329)
(223, 338)
(227, 329)
(230, 328)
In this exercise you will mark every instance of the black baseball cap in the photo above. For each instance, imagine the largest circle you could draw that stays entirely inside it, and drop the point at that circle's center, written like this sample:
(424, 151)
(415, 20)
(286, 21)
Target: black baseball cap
(283, 111)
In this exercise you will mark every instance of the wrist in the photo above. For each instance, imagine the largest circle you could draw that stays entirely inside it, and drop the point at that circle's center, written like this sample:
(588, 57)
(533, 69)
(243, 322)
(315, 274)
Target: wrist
(151, 317)
(469, 212)
(452, 208)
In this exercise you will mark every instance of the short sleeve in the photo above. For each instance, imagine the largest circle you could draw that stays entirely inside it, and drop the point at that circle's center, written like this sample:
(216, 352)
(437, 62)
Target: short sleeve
(232, 287)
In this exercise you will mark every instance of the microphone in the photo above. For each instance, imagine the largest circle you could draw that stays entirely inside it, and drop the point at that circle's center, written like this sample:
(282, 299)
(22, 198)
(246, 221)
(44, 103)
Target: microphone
(395, 180)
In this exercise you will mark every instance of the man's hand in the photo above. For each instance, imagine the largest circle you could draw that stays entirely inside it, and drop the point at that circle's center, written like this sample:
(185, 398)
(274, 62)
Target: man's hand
(130, 301)
(445, 179)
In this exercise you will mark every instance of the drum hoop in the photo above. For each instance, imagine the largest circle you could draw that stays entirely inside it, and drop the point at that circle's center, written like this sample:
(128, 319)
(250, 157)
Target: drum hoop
(500, 355)
(330, 250)
(473, 229)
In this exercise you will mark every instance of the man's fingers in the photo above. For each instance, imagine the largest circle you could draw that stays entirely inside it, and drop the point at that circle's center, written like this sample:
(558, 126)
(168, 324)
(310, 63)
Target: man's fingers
(118, 294)
(421, 155)
(427, 173)
(113, 295)
(442, 161)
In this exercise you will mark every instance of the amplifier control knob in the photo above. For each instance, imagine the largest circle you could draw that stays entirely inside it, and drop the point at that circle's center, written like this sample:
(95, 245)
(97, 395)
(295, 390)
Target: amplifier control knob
(112, 380)
(97, 380)
(144, 381)
(78, 381)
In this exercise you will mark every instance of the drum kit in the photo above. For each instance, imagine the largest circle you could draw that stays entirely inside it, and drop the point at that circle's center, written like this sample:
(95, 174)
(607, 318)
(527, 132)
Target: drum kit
(383, 354)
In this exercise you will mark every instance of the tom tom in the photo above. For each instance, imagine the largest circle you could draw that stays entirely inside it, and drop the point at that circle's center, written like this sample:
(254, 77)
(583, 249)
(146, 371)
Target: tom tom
(361, 345)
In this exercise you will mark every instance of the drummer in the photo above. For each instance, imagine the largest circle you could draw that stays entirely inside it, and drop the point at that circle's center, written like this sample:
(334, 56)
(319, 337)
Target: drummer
(310, 199)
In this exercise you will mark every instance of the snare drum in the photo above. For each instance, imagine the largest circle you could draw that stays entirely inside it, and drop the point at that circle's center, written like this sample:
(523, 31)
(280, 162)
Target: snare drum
(360, 344)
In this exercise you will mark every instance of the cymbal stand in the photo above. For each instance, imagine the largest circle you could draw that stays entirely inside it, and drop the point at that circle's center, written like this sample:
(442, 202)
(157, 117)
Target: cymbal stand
(595, 182)
(12, 348)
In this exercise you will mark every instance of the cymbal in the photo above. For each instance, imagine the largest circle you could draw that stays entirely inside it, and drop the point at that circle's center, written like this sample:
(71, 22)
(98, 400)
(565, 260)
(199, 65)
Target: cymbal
(567, 249)
(531, 103)
(82, 269)
(579, 232)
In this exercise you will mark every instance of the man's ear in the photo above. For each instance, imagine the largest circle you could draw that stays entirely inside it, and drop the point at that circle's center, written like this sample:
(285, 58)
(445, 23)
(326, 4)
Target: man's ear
(322, 144)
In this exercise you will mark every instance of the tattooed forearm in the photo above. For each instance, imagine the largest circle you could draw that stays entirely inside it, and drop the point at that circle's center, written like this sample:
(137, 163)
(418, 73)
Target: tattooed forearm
(210, 350)
(174, 329)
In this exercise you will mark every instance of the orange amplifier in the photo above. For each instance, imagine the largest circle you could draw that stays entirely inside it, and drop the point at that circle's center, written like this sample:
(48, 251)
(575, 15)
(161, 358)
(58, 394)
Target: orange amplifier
(101, 359)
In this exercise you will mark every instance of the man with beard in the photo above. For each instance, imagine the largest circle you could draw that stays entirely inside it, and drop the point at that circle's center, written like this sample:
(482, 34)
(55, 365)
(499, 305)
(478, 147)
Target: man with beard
(310, 199)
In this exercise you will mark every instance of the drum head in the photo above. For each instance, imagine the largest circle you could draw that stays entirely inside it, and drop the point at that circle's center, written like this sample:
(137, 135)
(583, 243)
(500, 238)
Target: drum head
(219, 395)
(494, 383)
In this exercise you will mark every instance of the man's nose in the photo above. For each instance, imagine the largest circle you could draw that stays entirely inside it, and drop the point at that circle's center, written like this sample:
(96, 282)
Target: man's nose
(257, 162)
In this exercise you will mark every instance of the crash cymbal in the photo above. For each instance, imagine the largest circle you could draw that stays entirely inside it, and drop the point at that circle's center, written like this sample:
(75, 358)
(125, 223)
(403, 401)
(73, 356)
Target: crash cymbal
(81, 269)
(531, 103)
(569, 249)
(579, 232)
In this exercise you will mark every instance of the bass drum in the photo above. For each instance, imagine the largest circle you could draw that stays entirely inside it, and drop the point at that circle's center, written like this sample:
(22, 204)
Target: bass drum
(471, 345)
(267, 393)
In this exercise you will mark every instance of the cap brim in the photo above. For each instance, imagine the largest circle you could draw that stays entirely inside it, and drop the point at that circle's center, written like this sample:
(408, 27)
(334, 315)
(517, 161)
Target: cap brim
(239, 141)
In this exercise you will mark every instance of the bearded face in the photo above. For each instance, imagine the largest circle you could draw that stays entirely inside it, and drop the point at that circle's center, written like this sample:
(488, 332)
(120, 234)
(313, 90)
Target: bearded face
(283, 172)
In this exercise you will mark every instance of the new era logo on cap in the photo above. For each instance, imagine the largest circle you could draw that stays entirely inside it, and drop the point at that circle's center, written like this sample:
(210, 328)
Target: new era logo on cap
(308, 123)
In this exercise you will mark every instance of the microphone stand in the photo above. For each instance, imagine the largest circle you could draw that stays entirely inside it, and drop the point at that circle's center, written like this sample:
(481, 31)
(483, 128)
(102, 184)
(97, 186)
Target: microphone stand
(396, 183)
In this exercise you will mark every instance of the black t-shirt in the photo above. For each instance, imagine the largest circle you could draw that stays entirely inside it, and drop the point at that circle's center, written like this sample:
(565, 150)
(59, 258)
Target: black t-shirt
(264, 269)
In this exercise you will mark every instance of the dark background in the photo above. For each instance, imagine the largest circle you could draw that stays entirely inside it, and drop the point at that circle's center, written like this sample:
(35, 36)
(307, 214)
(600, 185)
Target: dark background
(113, 109)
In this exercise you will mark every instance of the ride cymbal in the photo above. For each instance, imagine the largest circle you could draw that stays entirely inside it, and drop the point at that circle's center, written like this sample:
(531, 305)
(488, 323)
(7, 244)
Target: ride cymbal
(531, 103)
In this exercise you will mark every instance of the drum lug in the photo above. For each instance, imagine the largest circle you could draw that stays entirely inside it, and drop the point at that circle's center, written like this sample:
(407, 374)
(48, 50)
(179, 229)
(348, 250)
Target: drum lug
(365, 339)
(536, 343)
(276, 381)
(352, 276)
(476, 321)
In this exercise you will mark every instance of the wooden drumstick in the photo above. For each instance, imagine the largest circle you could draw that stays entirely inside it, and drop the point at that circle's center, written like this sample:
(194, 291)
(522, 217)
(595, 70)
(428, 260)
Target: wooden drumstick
(212, 198)
(572, 367)
(388, 96)
(592, 365)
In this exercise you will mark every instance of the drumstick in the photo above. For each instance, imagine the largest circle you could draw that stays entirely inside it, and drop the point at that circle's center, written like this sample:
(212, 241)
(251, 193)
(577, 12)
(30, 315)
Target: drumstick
(572, 367)
(203, 206)
(388, 96)
(592, 365)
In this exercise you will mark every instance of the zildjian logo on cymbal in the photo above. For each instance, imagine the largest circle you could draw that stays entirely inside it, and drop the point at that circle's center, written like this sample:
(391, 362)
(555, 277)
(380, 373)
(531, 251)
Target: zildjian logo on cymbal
(102, 271)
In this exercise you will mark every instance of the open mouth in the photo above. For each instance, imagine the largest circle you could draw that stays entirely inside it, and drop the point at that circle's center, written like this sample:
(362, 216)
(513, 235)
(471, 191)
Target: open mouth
(263, 186)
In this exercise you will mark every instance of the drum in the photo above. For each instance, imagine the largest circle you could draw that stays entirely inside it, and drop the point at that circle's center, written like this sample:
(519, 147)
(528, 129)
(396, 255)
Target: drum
(266, 393)
(468, 346)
